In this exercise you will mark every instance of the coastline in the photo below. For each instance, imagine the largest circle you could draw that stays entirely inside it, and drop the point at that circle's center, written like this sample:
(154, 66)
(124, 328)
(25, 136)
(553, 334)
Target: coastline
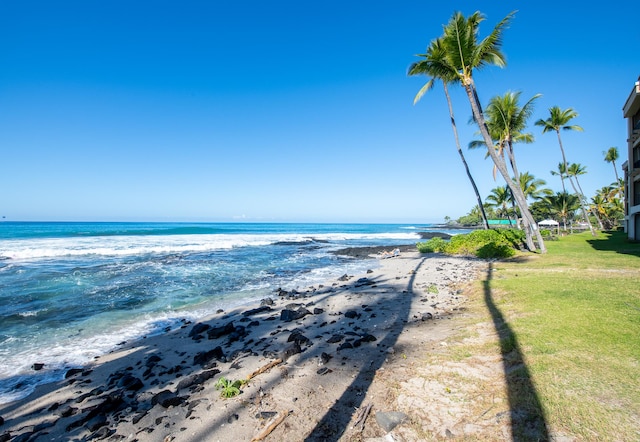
(334, 340)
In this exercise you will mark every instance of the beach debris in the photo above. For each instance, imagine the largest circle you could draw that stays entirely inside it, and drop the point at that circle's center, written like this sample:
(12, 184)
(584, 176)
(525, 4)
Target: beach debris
(361, 416)
(264, 368)
(271, 426)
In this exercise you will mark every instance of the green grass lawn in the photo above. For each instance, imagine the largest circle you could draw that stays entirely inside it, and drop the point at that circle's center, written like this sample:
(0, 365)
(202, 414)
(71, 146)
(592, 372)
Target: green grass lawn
(574, 314)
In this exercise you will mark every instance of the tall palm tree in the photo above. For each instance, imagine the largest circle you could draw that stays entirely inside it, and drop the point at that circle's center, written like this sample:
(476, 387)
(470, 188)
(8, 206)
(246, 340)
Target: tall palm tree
(434, 66)
(562, 171)
(575, 170)
(464, 53)
(559, 120)
(611, 156)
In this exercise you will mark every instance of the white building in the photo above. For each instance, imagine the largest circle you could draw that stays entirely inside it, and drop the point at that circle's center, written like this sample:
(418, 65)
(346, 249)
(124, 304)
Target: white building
(631, 166)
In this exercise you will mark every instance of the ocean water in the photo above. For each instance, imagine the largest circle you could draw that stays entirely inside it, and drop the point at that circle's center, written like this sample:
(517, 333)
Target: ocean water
(72, 291)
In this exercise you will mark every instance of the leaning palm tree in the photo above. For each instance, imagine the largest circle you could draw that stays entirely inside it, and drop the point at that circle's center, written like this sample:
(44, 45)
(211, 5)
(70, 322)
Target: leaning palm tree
(464, 54)
(557, 121)
(434, 66)
(575, 170)
(611, 156)
(562, 171)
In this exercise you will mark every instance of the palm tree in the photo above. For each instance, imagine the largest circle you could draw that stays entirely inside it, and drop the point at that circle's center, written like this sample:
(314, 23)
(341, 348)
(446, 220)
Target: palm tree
(563, 205)
(532, 187)
(611, 156)
(558, 121)
(576, 169)
(464, 54)
(500, 198)
(562, 171)
(505, 120)
(609, 207)
(435, 66)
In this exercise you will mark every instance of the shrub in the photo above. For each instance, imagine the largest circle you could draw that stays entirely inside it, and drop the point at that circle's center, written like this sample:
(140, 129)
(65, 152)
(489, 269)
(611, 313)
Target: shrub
(435, 244)
(481, 243)
(493, 250)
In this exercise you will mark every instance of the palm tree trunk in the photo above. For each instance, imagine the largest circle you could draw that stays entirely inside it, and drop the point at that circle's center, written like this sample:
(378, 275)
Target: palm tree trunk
(530, 226)
(580, 196)
(464, 161)
(615, 170)
(592, 210)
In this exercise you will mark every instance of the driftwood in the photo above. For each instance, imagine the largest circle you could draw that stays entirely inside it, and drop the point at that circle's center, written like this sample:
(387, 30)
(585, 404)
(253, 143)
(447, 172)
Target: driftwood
(362, 416)
(272, 426)
(264, 368)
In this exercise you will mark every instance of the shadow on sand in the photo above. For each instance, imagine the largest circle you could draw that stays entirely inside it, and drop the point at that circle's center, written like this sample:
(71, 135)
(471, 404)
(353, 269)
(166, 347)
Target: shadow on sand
(335, 421)
(527, 416)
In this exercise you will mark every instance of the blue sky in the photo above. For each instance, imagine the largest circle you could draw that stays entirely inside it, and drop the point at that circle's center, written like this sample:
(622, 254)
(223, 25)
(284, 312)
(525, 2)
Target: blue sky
(284, 110)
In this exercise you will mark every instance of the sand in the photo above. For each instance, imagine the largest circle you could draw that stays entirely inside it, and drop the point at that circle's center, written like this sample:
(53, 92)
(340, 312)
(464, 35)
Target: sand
(335, 362)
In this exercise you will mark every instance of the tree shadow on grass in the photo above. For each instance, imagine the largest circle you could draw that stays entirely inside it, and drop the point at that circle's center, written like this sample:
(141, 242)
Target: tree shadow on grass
(527, 416)
(615, 241)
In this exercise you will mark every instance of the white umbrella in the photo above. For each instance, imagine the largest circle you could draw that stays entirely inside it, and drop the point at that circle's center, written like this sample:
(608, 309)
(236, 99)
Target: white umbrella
(550, 223)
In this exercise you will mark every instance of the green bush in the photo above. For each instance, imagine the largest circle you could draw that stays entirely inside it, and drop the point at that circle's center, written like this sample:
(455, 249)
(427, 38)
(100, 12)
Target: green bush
(481, 243)
(435, 244)
(493, 250)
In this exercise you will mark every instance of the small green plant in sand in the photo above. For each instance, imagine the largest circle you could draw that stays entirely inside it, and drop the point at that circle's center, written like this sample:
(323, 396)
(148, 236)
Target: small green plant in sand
(229, 388)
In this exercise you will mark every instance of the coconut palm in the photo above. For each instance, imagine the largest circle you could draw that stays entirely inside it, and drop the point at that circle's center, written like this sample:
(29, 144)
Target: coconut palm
(464, 53)
(562, 172)
(559, 120)
(611, 156)
(575, 170)
(506, 120)
(500, 199)
(533, 187)
(434, 65)
(563, 205)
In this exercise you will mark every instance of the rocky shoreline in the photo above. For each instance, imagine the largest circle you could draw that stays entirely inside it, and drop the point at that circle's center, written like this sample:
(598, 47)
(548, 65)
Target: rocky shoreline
(298, 366)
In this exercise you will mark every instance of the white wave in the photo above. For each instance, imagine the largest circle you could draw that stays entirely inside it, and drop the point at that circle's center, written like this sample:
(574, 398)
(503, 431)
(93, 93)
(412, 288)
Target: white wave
(140, 245)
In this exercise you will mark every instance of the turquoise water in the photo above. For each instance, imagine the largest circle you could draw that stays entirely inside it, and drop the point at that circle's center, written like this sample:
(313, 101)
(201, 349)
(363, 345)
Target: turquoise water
(73, 291)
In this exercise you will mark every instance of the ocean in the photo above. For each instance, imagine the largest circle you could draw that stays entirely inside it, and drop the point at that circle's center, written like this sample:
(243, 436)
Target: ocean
(72, 291)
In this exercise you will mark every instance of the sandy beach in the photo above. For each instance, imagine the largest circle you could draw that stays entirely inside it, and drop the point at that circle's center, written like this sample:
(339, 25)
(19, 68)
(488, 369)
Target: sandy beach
(328, 363)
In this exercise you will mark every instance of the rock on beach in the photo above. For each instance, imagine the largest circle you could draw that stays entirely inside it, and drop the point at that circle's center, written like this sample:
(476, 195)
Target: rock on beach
(308, 356)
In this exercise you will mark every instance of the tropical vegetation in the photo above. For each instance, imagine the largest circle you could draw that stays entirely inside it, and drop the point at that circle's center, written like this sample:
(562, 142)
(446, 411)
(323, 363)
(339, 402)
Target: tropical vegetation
(523, 200)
